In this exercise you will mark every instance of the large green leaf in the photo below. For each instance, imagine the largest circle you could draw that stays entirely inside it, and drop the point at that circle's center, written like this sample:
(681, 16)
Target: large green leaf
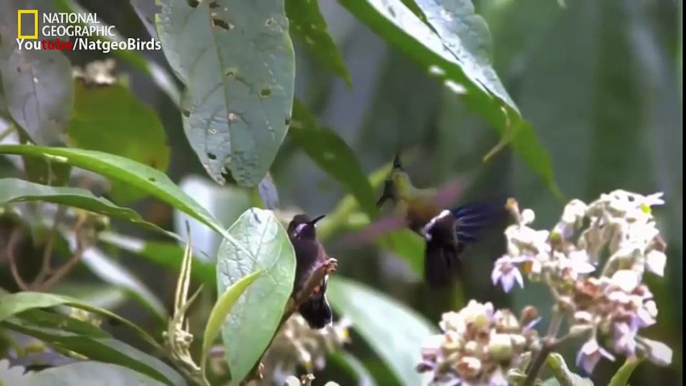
(459, 57)
(237, 62)
(36, 84)
(394, 331)
(16, 190)
(307, 22)
(220, 311)
(110, 119)
(269, 249)
(89, 373)
(333, 155)
(122, 169)
(102, 349)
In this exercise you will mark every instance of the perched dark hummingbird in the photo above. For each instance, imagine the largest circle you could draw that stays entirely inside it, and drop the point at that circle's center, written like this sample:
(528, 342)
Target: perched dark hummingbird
(309, 254)
(447, 231)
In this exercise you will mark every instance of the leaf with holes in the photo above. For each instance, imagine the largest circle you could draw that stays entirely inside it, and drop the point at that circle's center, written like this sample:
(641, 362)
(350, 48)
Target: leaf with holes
(270, 250)
(307, 22)
(123, 169)
(332, 154)
(36, 84)
(110, 119)
(237, 62)
(456, 49)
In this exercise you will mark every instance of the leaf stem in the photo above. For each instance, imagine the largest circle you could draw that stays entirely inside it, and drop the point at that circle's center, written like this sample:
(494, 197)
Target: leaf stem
(549, 344)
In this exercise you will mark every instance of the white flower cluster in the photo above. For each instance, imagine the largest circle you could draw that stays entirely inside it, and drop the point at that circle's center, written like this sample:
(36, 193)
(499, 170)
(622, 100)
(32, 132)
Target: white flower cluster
(617, 230)
(297, 344)
(478, 346)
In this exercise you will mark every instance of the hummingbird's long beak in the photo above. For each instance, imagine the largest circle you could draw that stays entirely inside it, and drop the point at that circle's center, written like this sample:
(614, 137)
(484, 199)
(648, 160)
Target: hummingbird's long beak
(387, 193)
(396, 162)
(314, 220)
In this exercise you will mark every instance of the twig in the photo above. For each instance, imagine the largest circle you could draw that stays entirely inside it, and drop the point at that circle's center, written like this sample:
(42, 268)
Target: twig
(65, 269)
(315, 279)
(11, 245)
(46, 270)
(549, 344)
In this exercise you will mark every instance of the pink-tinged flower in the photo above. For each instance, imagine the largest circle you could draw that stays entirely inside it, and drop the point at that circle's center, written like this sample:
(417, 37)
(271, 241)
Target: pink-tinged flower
(589, 355)
(625, 339)
(506, 272)
(656, 261)
(575, 264)
(658, 352)
(647, 314)
(627, 280)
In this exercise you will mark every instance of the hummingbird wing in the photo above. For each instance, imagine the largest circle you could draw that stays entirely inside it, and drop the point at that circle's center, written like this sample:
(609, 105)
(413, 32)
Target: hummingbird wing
(474, 217)
(443, 197)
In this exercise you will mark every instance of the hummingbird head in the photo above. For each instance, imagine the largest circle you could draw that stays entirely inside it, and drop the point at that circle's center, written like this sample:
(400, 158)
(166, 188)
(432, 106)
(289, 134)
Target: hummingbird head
(303, 227)
(397, 183)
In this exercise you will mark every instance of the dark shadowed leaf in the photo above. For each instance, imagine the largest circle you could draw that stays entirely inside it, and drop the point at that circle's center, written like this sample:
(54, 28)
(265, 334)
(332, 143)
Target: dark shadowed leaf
(16, 190)
(166, 254)
(307, 22)
(268, 249)
(36, 84)
(110, 119)
(89, 373)
(122, 169)
(469, 70)
(395, 332)
(237, 62)
(101, 349)
(333, 155)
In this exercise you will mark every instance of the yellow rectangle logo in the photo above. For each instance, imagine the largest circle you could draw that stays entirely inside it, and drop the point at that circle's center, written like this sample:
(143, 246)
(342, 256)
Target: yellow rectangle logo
(29, 13)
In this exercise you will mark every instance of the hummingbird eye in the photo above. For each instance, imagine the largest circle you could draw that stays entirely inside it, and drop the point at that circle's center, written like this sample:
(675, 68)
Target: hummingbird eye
(300, 227)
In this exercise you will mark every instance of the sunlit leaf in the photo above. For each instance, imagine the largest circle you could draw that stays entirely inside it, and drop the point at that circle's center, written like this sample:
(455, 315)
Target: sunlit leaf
(237, 62)
(460, 58)
(268, 249)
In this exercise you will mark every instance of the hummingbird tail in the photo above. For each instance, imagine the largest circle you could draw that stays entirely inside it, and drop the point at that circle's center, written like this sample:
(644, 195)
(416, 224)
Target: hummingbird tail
(450, 235)
(441, 263)
(316, 311)
(474, 217)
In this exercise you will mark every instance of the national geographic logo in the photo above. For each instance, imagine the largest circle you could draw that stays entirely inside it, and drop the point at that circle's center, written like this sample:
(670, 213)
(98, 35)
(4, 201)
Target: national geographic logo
(27, 24)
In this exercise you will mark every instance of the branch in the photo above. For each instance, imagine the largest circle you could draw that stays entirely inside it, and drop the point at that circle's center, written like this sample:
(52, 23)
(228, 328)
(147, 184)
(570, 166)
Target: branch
(11, 246)
(314, 280)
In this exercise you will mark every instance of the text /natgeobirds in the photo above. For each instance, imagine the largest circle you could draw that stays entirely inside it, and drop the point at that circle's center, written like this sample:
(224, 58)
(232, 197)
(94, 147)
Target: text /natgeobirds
(309, 254)
(447, 231)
